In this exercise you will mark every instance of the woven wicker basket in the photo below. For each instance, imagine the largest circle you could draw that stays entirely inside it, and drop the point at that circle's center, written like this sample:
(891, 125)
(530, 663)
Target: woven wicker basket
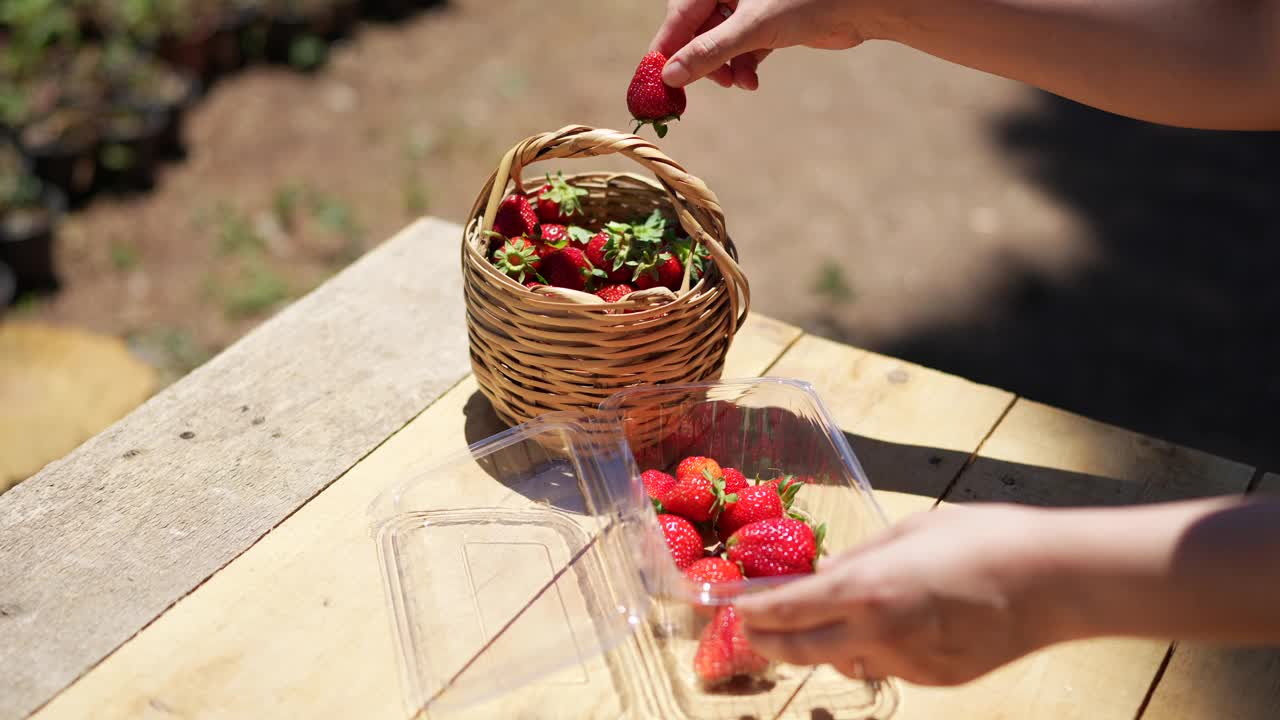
(552, 349)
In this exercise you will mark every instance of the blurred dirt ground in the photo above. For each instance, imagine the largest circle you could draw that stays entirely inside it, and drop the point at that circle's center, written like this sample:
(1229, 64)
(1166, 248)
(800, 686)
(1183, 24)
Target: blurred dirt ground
(878, 196)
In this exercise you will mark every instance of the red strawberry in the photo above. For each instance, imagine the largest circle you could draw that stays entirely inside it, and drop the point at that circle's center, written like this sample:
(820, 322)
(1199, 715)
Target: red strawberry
(515, 217)
(757, 502)
(556, 236)
(657, 484)
(713, 570)
(682, 539)
(723, 652)
(786, 486)
(650, 100)
(567, 268)
(517, 258)
(614, 293)
(781, 546)
(668, 273)
(734, 480)
(607, 251)
(533, 284)
(699, 465)
(558, 201)
(694, 497)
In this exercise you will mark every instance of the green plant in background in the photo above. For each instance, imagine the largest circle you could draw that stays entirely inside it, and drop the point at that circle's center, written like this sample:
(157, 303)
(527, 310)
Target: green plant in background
(308, 52)
(174, 350)
(832, 285)
(258, 289)
(414, 192)
(34, 28)
(124, 257)
(236, 235)
(338, 218)
(284, 206)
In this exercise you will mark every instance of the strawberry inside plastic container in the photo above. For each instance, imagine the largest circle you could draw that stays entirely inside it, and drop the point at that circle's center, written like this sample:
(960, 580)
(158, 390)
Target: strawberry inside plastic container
(530, 576)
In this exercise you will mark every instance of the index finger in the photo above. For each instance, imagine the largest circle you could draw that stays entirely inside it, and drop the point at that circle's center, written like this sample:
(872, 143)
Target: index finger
(809, 602)
(684, 21)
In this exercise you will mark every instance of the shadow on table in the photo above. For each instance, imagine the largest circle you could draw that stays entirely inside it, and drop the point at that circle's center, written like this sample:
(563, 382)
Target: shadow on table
(920, 470)
(1168, 327)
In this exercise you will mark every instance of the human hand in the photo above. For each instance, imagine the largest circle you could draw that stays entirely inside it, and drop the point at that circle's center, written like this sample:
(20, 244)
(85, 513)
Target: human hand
(726, 41)
(940, 599)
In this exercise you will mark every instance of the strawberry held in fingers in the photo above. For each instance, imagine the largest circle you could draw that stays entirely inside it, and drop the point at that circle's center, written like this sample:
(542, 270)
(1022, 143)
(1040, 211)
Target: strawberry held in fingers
(723, 652)
(782, 546)
(558, 201)
(651, 101)
(682, 539)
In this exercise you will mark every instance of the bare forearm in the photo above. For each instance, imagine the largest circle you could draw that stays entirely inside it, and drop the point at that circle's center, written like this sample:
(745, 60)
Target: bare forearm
(1196, 63)
(1198, 570)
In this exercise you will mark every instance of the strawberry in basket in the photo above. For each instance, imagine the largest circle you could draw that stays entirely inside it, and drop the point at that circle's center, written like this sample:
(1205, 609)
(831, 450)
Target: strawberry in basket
(558, 201)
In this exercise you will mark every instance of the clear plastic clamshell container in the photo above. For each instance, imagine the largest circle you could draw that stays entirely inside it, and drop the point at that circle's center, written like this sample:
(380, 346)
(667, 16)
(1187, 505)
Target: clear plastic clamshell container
(527, 576)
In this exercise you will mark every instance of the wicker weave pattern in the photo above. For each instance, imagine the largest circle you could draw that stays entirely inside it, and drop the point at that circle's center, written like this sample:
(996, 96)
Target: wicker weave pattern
(557, 349)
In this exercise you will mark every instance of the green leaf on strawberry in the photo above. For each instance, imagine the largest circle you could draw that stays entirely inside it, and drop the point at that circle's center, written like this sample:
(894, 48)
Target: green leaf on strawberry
(580, 235)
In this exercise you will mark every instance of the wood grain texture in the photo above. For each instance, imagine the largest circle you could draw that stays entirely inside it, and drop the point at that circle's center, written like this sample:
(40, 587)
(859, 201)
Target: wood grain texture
(297, 626)
(912, 428)
(1224, 683)
(100, 543)
(1045, 456)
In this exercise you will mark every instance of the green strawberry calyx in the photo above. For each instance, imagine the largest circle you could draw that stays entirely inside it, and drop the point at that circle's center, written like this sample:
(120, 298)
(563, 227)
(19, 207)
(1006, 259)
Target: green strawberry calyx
(515, 258)
(580, 235)
(659, 124)
(564, 195)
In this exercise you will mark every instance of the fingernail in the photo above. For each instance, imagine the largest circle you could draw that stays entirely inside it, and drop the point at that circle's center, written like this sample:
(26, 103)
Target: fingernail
(674, 73)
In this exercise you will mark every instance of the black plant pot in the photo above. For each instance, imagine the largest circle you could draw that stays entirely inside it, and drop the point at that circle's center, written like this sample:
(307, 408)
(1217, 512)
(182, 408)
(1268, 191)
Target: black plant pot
(391, 10)
(172, 141)
(26, 245)
(193, 53)
(346, 15)
(130, 149)
(227, 47)
(282, 33)
(8, 287)
(67, 163)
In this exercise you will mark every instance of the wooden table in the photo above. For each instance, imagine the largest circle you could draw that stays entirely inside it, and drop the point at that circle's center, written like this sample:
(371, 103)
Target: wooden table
(208, 555)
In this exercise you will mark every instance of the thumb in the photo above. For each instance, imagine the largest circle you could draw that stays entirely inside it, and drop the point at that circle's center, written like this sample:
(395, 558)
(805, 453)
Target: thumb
(711, 50)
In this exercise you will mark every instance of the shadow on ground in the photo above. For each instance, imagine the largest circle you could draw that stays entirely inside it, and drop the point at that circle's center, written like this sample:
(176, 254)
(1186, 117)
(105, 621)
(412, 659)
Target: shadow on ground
(1171, 331)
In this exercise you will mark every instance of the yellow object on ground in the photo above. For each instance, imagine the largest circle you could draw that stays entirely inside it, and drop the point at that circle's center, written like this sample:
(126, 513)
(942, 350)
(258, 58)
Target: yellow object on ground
(58, 388)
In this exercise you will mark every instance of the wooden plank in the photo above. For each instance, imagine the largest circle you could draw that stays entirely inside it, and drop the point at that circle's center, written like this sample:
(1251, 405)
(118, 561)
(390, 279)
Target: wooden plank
(912, 428)
(100, 543)
(1225, 683)
(1045, 456)
(296, 626)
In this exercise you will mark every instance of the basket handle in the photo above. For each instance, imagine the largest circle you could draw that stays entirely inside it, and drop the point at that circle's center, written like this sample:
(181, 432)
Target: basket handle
(696, 206)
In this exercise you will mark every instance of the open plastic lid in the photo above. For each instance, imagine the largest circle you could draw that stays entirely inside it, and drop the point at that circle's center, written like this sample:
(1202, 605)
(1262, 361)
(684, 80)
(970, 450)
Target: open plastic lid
(507, 569)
